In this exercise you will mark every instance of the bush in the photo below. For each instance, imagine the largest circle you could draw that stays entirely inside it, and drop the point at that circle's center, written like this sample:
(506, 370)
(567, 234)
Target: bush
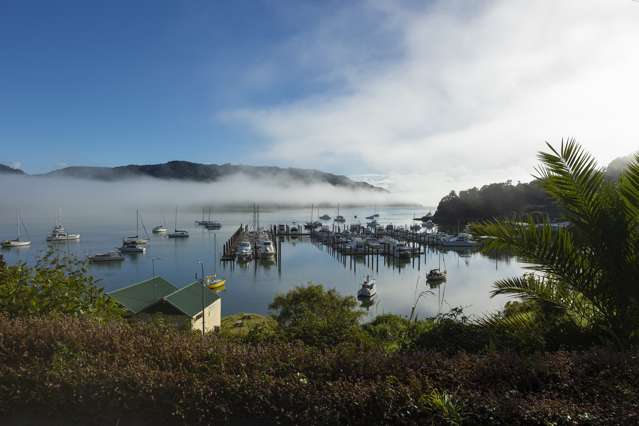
(77, 370)
(318, 317)
(55, 285)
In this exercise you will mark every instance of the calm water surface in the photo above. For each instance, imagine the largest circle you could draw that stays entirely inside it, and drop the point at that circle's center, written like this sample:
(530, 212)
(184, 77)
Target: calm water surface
(251, 287)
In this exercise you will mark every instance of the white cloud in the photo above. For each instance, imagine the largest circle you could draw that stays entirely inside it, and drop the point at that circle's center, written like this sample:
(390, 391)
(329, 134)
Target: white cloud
(16, 164)
(470, 95)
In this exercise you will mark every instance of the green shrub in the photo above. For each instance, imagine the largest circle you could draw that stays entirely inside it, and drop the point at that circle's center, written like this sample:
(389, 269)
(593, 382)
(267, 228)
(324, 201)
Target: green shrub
(55, 285)
(318, 317)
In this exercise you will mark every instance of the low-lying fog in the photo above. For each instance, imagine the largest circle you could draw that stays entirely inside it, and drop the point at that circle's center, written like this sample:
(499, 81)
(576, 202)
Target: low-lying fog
(235, 192)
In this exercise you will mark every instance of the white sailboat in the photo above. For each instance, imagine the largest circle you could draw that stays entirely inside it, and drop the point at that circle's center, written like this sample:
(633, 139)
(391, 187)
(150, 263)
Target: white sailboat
(178, 233)
(136, 238)
(18, 242)
(59, 233)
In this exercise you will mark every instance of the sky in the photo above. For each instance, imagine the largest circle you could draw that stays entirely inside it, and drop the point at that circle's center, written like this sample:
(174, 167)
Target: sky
(419, 96)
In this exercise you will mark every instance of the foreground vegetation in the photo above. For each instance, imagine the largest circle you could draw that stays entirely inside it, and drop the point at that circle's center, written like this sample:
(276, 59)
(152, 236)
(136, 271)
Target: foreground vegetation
(66, 369)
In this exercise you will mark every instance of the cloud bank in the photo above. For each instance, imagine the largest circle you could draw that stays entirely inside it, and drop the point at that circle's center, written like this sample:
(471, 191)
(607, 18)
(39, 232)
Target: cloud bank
(469, 97)
(34, 194)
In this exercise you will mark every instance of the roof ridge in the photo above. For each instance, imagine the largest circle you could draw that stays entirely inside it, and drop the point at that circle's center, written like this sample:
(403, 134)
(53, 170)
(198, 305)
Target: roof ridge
(141, 282)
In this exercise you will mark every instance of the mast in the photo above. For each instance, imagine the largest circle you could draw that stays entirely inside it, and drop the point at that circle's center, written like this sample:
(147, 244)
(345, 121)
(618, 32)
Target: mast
(18, 224)
(175, 218)
(137, 223)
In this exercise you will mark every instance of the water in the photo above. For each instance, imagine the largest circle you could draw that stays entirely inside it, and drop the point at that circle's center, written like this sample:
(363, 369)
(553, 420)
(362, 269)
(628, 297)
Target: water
(251, 287)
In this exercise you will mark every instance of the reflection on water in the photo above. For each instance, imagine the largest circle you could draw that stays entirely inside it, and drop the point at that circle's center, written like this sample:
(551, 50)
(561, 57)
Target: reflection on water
(251, 286)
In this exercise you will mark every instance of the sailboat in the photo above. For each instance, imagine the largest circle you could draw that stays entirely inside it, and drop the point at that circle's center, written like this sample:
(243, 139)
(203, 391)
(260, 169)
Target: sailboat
(18, 242)
(211, 224)
(311, 225)
(136, 238)
(59, 234)
(212, 281)
(339, 218)
(436, 275)
(178, 233)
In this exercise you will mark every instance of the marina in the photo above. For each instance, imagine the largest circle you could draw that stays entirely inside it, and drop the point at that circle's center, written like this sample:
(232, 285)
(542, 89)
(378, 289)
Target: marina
(294, 258)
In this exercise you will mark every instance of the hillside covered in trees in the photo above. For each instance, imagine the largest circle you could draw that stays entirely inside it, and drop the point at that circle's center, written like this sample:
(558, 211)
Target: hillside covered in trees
(493, 201)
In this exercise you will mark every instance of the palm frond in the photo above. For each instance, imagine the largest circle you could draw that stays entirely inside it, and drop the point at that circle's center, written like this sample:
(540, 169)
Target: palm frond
(550, 292)
(572, 178)
(629, 188)
(518, 321)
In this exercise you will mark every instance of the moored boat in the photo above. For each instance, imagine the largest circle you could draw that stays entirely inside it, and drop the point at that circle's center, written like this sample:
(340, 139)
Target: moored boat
(368, 289)
(111, 256)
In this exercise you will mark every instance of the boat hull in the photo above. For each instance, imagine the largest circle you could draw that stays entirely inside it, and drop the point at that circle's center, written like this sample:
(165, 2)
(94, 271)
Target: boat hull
(13, 243)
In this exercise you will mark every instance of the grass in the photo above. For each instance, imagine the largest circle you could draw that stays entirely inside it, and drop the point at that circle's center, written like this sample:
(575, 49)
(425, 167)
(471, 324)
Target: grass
(241, 324)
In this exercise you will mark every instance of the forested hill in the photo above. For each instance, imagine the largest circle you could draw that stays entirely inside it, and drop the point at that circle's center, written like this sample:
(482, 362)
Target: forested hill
(495, 200)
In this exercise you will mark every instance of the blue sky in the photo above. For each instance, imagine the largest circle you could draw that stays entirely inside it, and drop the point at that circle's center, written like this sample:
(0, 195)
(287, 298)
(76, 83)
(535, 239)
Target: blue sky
(144, 81)
(427, 96)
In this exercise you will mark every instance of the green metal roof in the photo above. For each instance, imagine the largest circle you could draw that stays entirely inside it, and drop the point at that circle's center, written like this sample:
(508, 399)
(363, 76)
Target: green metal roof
(139, 296)
(188, 299)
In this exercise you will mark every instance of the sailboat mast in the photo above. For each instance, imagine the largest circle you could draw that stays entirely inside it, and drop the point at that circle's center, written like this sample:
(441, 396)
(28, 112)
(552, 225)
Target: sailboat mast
(175, 218)
(137, 223)
(18, 224)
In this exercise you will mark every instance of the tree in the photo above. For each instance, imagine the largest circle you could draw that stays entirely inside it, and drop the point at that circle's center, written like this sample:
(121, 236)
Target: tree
(54, 285)
(317, 316)
(589, 270)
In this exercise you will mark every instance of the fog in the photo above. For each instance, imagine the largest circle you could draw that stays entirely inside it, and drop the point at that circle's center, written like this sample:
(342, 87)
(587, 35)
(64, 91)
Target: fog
(236, 192)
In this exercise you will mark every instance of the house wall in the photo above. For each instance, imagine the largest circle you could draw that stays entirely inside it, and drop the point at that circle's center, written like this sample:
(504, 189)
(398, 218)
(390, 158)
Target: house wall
(212, 317)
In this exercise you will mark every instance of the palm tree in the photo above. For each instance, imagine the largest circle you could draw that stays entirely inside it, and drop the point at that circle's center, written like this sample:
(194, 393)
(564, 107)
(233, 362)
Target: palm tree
(588, 270)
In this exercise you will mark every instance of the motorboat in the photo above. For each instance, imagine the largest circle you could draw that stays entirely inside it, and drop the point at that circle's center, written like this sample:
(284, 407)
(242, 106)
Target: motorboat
(160, 229)
(399, 249)
(265, 249)
(415, 227)
(131, 247)
(111, 256)
(461, 240)
(18, 241)
(371, 217)
(213, 225)
(59, 234)
(325, 217)
(436, 275)
(214, 283)
(368, 289)
(244, 250)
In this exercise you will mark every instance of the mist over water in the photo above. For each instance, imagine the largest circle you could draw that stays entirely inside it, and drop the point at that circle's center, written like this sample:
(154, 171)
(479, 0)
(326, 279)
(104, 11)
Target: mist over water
(237, 191)
(105, 212)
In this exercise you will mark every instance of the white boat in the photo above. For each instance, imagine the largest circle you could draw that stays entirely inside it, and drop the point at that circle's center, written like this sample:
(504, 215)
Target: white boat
(18, 242)
(461, 240)
(136, 238)
(59, 234)
(265, 249)
(368, 289)
(178, 233)
(244, 250)
(132, 247)
(160, 229)
(111, 256)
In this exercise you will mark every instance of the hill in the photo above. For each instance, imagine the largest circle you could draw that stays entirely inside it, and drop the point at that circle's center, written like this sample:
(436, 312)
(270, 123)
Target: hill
(10, 170)
(196, 172)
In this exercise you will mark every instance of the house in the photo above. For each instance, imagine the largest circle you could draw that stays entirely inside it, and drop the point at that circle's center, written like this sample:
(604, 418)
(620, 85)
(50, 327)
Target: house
(193, 306)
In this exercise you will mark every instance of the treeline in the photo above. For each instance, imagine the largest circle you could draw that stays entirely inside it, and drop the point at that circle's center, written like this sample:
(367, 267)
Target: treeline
(497, 200)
